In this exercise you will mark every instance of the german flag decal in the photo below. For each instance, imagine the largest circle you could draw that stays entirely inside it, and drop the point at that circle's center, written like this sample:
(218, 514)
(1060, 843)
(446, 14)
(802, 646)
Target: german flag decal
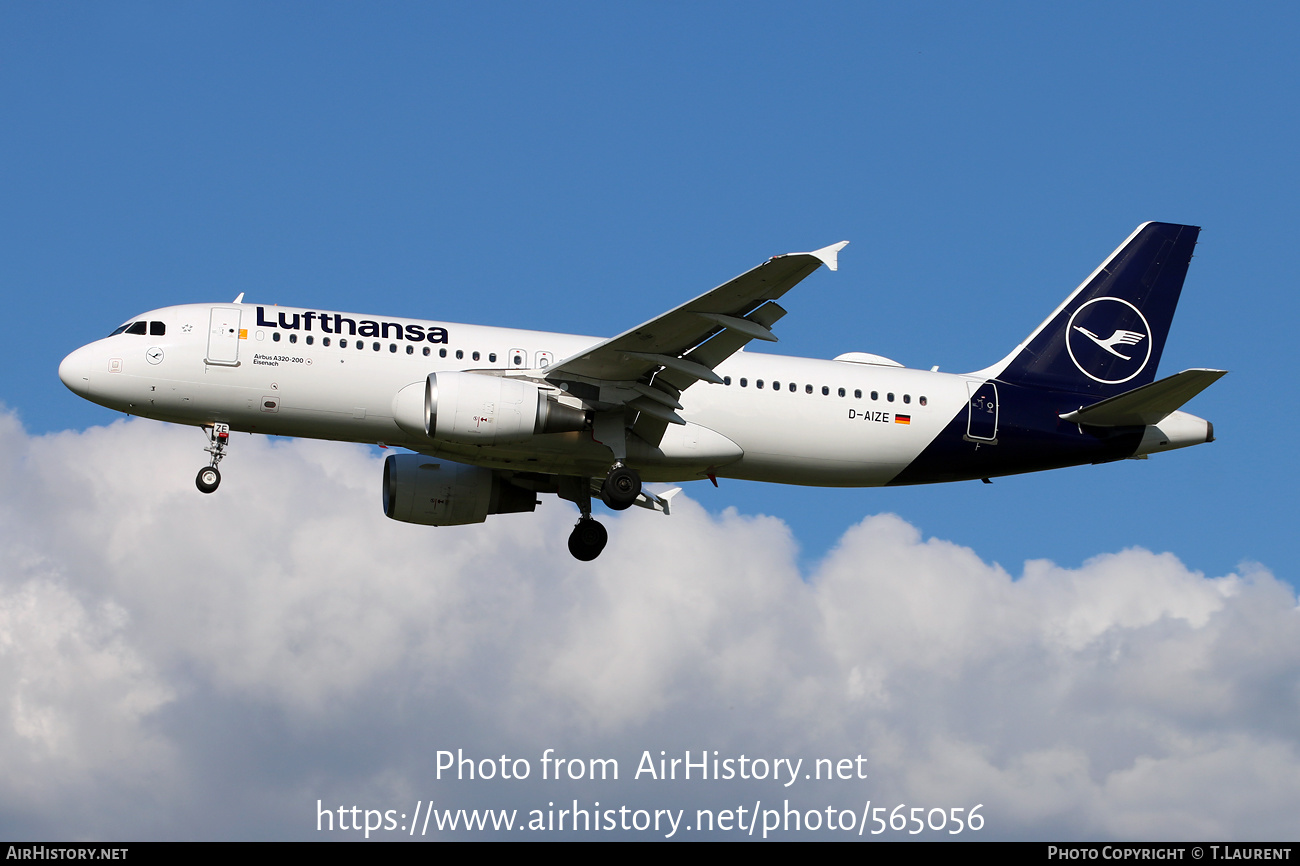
(902, 419)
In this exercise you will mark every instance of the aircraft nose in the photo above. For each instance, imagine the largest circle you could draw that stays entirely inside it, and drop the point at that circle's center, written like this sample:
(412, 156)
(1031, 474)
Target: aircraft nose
(74, 371)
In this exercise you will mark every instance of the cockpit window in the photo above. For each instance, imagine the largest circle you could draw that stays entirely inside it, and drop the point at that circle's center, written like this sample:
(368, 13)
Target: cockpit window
(157, 329)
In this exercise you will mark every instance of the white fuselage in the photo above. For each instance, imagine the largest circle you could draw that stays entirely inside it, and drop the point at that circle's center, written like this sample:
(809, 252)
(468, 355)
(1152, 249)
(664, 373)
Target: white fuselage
(338, 376)
(498, 416)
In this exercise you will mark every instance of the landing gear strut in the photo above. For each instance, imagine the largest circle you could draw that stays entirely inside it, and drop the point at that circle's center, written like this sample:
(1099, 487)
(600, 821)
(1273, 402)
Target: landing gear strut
(588, 537)
(621, 488)
(209, 477)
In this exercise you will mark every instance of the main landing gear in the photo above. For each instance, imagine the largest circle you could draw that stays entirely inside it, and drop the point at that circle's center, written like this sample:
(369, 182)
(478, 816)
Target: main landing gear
(209, 477)
(588, 539)
(621, 488)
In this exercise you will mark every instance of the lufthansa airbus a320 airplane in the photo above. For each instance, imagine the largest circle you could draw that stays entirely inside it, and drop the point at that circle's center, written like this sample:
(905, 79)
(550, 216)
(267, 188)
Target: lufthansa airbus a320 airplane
(495, 416)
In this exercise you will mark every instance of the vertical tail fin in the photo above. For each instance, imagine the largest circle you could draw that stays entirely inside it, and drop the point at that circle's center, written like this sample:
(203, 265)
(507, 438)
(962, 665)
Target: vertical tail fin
(1107, 337)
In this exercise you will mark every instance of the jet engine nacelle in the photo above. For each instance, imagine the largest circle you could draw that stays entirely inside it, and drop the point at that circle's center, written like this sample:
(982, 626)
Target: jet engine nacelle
(435, 492)
(474, 409)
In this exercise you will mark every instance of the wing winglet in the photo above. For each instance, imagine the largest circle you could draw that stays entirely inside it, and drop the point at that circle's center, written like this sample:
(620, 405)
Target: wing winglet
(830, 256)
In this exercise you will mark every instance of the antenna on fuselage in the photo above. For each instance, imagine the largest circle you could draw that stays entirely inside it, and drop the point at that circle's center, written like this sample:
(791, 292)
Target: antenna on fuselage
(239, 299)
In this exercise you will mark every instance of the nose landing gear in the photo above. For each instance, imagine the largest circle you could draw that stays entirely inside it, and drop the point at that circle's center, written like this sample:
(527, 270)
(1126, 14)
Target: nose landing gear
(209, 477)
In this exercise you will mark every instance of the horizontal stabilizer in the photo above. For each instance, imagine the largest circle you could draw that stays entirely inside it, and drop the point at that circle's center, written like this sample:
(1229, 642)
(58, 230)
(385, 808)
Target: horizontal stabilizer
(1149, 404)
(661, 502)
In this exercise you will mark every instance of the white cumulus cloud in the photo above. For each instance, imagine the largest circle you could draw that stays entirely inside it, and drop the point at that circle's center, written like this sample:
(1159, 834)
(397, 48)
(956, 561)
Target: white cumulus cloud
(174, 665)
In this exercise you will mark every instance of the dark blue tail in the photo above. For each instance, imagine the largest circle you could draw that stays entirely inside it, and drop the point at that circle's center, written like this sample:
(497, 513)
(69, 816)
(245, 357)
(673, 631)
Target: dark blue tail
(1108, 335)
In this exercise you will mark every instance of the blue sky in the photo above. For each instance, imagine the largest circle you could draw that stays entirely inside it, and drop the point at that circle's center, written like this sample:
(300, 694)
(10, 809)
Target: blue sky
(582, 167)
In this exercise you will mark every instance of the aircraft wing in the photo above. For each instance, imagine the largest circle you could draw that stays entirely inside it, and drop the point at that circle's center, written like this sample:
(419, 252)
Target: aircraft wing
(649, 366)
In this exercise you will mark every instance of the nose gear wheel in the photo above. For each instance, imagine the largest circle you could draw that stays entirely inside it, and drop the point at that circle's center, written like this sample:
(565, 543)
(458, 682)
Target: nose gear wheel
(208, 479)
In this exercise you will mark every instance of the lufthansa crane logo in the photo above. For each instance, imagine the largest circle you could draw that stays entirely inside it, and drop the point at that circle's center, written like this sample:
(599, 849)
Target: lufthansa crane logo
(1109, 340)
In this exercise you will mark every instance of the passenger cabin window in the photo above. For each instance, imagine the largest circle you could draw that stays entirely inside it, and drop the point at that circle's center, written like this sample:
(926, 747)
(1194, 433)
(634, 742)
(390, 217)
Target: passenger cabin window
(275, 335)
